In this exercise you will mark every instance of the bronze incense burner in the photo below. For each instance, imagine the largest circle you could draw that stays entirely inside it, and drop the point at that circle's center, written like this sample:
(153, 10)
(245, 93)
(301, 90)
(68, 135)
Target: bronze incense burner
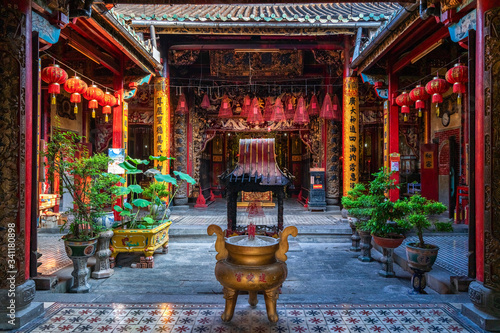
(251, 265)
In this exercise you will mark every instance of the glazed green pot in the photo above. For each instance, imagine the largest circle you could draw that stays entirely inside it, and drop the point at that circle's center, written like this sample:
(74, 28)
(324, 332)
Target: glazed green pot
(78, 249)
(420, 258)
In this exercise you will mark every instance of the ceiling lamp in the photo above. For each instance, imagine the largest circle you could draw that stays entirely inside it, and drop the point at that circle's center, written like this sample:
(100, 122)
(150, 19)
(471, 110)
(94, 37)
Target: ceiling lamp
(225, 110)
(457, 76)
(94, 95)
(301, 116)
(76, 88)
(418, 95)
(404, 101)
(54, 76)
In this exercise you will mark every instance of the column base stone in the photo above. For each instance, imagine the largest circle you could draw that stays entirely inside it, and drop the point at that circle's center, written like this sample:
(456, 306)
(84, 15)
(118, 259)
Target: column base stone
(482, 319)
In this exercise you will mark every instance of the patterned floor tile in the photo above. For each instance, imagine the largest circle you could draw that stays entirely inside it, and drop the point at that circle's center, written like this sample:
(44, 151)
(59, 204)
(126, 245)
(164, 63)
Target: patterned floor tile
(188, 318)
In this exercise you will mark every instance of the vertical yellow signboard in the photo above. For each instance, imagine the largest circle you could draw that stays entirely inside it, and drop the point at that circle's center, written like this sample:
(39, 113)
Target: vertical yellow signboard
(160, 121)
(350, 134)
(386, 135)
(125, 127)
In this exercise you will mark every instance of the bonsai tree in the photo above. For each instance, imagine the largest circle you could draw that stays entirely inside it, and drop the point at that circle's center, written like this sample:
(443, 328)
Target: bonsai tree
(84, 177)
(359, 204)
(386, 218)
(156, 192)
(416, 210)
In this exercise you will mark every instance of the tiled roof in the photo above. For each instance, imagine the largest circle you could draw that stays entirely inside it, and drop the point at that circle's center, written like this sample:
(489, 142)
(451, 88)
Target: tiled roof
(313, 13)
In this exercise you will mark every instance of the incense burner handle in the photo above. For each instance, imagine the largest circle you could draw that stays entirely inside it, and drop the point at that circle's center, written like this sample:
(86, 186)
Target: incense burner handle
(283, 236)
(220, 243)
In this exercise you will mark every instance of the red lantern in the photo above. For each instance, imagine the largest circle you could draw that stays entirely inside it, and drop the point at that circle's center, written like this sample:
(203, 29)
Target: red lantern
(247, 104)
(313, 108)
(225, 110)
(94, 96)
(289, 110)
(404, 101)
(182, 107)
(205, 103)
(107, 102)
(327, 108)
(457, 76)
(336, 110)
(418, 95)
(278, 112)
(268, 109)
(54, 76)
(301, 116)
(75, 87)
(255, 114)
(436, 88)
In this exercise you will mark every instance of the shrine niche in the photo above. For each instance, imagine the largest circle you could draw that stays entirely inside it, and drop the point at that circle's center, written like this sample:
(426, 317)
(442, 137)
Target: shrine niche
(257, 64)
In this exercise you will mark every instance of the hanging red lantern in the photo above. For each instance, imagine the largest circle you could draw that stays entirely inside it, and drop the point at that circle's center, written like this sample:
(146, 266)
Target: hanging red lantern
(289, 110)
(404, 101)
(278, 111)
(418, 95)
(205, 103)
(301, 116)
(182, 107)
(54, 76)
(76, 88)
(107, 101)
(225, 110)
(247, 104)
(436, 88)
(327, 108)
(313, 108)
(337, 115)
(457, 76)
(94, 95)
(255, 114)
(268, 109)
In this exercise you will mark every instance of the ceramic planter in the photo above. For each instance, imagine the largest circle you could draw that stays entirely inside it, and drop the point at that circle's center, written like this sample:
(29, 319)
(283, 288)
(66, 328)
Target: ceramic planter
(420, 260)
(79, 252)
(146, 241)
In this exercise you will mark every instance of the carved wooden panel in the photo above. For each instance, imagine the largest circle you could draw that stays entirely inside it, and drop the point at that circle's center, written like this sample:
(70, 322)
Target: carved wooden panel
(492, 151)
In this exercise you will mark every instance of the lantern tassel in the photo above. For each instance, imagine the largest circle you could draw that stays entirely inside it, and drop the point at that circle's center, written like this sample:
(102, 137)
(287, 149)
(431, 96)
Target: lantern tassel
(405, 117)
(53, 100)
(419, 113)
(459, 99)
(93, 113)
(437, 110)
(75, 109)
(106, 118)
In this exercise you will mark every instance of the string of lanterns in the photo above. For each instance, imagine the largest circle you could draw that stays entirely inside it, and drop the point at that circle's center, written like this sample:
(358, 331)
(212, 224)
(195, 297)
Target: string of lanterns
(434, 89)
(55, 76)
(255, 113)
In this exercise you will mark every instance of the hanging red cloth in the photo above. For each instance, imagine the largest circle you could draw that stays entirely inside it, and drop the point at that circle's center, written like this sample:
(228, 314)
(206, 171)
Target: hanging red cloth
(268, 109)
(205, 103)
(255, 209)
(278, 112)
(225, 110)
(255, 114)
(289, 110)
(301, 116)
(327, 108)
(313, 108)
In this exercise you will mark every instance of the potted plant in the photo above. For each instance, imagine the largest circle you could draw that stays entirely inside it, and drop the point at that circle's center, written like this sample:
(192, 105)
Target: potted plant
(145, 232)
(359, 206)
(83, 176)
(420, 255)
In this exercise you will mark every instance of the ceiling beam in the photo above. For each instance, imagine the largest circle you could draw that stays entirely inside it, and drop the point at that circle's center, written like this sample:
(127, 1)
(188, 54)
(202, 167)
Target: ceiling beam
(231, 2)
(259, 46)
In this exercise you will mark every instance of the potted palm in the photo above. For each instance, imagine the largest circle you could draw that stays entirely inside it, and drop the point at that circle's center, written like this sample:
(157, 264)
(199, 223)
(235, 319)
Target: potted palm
(84, 177)
(145, 231)
(420, 255)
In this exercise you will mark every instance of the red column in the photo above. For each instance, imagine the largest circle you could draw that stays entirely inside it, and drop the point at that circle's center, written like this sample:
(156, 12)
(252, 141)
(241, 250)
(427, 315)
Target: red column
(393, 126)
(117, 141)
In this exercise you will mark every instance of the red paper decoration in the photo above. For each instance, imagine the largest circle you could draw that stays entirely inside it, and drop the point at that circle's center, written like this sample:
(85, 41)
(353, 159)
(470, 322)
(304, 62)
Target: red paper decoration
(76, 88)
(205, 103)
(54, 76)
(337, 115)
(418, 95)
(268, 109)
(278, 111)
(327, 108)
(457, 76)
(94, 95)
(255, 114)
(107, 101)
(436, 88)
(225, 110)
(182, 107)
(404, 101)
(313, 108)
(245, 109)
(289, 110)
(301, 116)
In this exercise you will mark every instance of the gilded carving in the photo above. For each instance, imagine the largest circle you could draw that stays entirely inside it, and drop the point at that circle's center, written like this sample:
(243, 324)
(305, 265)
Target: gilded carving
(492, 150)
(332, 161)
(200, 139)
(316, 144)
(286, 31)
(12, 138)
(180, 151)
(449, 4)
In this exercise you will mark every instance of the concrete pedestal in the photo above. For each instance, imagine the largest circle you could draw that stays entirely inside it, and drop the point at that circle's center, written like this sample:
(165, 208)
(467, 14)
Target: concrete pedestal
(482, 319)
(16, 308)
(485, 308)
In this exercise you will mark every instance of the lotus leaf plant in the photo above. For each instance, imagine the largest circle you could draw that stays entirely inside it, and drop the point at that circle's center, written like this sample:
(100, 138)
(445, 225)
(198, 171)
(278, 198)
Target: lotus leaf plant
(156, 192)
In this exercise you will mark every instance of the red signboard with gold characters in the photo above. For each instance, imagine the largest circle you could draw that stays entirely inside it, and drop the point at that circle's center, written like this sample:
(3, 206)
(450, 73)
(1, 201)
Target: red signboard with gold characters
(350, 134)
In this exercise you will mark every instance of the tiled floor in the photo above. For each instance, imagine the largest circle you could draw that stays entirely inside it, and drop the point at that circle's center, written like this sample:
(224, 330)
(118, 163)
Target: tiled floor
(53, 254)
(452, 251)
(203, 318)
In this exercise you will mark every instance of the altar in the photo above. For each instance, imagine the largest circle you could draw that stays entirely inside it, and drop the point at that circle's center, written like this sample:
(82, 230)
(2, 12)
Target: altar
(265, 198)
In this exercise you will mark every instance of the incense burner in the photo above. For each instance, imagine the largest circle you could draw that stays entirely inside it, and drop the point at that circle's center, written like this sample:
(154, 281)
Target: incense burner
(253, 266)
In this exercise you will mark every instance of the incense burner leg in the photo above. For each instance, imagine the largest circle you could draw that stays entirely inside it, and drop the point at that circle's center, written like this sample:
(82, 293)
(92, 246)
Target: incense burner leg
(231, 297)
(271, 297)
(252, 298)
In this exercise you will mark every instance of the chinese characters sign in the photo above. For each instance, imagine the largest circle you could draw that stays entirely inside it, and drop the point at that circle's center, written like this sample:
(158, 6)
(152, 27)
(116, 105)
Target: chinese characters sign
(161, 115)
(125, 127)
(386, 135)
(351, 134)
(428, 160)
